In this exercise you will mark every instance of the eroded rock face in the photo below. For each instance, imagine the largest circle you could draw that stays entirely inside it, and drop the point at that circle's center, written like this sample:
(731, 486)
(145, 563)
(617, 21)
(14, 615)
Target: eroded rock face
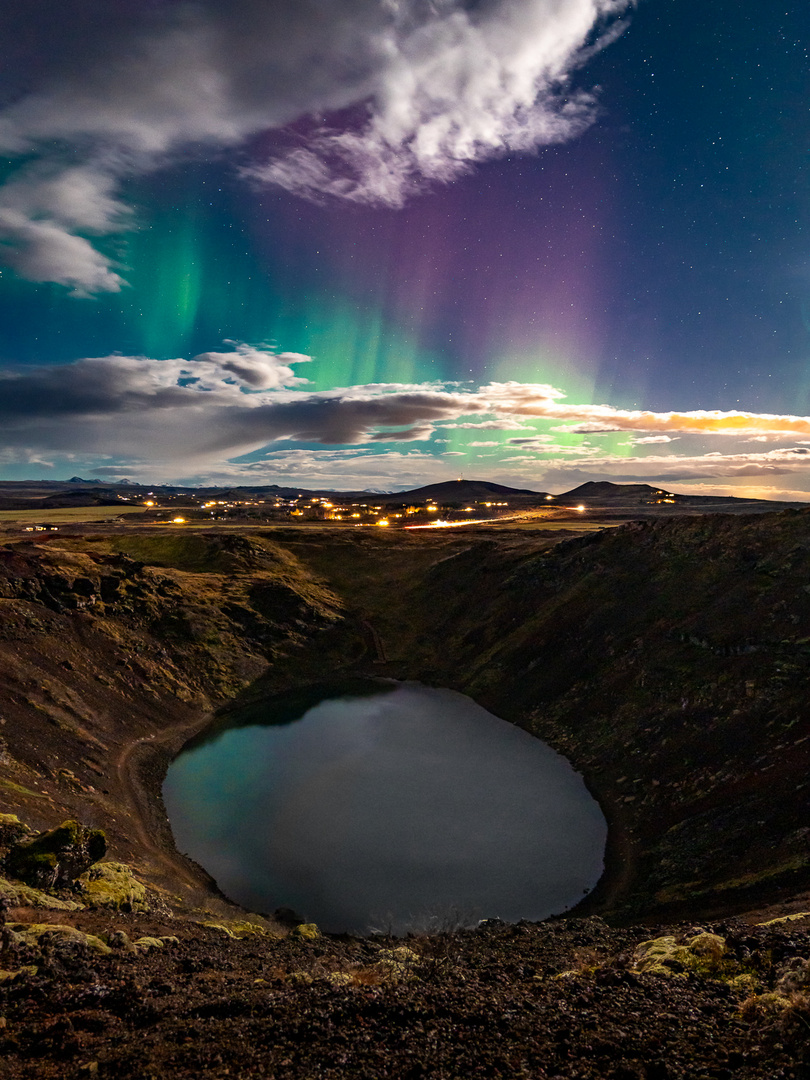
(11, 830)
(54, 859)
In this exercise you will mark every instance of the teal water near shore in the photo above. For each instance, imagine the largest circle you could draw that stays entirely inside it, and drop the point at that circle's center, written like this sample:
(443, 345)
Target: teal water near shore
(404, 808)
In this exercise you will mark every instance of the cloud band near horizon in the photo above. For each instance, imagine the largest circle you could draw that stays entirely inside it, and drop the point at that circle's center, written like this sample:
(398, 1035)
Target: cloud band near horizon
(388, 96)
(219, 406)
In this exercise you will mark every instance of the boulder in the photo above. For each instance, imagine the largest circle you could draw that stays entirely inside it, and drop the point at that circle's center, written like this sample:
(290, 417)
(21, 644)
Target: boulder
(55, 933)
(306, 932)
(12, 830)
(19, 895)
(54, 859)
(113, 885)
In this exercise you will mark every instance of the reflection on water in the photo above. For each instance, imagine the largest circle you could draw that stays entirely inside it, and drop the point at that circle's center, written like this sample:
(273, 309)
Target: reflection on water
(396, 811)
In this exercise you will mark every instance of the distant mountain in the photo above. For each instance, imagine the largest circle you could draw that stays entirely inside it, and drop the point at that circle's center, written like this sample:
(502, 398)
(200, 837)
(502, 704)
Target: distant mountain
(448, 491)
(109, 483)
(604, 492)
(456, 491)
(636, 500)
(645, 499)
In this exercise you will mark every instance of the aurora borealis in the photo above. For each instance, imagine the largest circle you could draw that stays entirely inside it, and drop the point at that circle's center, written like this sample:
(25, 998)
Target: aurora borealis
(381, 242)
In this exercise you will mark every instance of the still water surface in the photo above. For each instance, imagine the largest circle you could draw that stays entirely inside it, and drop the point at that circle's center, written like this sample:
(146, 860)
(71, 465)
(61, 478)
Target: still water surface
(409, 808)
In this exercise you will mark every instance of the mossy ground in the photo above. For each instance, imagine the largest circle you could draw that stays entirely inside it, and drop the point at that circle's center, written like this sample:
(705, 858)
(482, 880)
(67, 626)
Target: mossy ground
(113, 885)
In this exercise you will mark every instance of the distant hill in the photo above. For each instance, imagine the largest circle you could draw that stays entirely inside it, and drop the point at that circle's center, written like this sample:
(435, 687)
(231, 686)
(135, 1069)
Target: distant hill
(457, 491)
(604, 492)
(605, 497)
(645, 500)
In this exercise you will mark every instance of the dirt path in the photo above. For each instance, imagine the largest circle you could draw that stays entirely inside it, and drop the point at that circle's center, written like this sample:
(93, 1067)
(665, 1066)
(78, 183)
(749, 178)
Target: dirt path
(153, 833)
(379, 646)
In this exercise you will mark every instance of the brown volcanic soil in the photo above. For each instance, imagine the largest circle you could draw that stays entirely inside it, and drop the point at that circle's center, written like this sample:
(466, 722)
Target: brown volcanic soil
(667, 659)
(558, 999)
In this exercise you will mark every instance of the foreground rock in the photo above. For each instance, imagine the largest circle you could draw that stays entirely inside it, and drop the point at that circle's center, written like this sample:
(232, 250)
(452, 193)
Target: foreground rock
(113, 885)
(546, 1001)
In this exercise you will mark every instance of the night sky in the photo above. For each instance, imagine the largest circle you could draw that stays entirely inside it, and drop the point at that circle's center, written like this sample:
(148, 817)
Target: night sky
(378, 243)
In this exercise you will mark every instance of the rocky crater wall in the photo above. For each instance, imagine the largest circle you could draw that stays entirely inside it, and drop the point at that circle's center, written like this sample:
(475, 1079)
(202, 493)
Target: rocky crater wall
(668, 660)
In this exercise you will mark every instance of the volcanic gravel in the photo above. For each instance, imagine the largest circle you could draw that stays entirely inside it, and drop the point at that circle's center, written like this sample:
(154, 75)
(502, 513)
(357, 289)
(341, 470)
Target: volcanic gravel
(540, 1001)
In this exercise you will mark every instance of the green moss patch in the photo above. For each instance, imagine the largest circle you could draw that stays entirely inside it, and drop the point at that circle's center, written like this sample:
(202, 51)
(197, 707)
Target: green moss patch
(19, 895)
(241, 928)
(306, 932)
(702, 954)
(148, 943)
(113, 885)
(20, 973)
(18, 789)
(66, 936)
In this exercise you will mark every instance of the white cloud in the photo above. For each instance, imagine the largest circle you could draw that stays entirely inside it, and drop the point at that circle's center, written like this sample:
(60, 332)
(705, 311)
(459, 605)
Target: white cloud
(388, 94)
(257, 369)
(342, 469)
(539, 400)
(22, 455)
(48, 251)
(658, 439)
(458, 87)
(544, 446)
(746, 490)
(196, 414)
(40, 209)
(81, 197)
(593, 427)
(490, 425)
(672, 468)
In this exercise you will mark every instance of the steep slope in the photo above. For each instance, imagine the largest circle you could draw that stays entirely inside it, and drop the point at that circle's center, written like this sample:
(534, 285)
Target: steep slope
(670, 661)
(103, 657)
